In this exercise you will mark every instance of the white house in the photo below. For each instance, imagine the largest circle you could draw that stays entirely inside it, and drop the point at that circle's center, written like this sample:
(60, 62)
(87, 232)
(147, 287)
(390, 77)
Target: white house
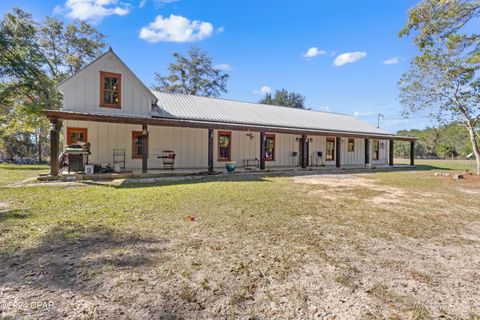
(106, 105)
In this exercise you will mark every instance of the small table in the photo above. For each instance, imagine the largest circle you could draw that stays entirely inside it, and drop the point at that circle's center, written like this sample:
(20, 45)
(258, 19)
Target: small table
(251, 163)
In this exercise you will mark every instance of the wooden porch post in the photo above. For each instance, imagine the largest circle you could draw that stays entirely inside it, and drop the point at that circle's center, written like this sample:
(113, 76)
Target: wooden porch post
(390, 153)
(338, 151)
(412, 153)
(304, 155)
(144, 148)
(210, 150)
(367, 151)
(262, 150)
(54, 140)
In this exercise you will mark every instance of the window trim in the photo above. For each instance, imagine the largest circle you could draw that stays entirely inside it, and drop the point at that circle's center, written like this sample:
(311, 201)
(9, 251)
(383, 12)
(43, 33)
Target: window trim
(353, 144)
(270, 135)
(134, 135)
(118, 76)
(333, 140)
(375, 155)
(75, 129)
(229, 134)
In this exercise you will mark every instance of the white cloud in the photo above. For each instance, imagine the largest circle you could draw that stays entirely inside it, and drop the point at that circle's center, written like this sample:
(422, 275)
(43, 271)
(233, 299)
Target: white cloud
(223, 67)
(176, 29)
(92, 10)
(393, 60)
(313, 52)
(359, 114)
(349, 57)
(142, 4)
(263, 90)
(221, 29)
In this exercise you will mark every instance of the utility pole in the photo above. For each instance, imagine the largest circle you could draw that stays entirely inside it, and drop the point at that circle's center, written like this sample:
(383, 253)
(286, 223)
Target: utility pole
(378, 119)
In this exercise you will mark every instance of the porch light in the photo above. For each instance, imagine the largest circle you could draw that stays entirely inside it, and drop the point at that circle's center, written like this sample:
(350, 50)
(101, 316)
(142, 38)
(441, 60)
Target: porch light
(144, 131)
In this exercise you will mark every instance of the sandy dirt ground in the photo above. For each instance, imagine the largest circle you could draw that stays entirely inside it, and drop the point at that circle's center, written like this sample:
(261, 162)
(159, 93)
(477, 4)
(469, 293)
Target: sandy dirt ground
(259, 275)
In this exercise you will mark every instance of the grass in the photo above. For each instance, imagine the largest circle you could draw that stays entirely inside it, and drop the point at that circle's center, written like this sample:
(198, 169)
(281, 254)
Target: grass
(16, 173)
(254, 241)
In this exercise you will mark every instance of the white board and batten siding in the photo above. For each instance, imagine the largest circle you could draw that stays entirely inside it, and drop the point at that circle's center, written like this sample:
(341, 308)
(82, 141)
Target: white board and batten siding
(83, 93)
(189, 144)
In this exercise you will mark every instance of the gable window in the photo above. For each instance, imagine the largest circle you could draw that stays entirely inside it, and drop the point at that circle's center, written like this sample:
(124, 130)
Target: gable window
(138, 141)
(375, 149)
(76, 135)
(351, 144)
(110, 90)
(269, 147)
(330, 154)
(224, 145)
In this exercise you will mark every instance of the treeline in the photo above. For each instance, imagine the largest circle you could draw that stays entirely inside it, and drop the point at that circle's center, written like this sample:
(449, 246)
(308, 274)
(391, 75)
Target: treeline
(446, 141)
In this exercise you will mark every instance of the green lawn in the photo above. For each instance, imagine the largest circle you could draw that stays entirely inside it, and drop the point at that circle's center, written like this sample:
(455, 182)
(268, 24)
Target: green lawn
(400, 245)
(10, 173)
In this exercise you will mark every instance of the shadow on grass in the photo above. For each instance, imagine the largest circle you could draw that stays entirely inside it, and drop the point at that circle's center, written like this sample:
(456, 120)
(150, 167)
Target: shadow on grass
(250, 177)
(72, 256)
(13, 214)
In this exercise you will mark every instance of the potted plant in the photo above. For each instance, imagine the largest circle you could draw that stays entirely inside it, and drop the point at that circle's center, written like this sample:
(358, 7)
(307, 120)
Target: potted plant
(230, 166)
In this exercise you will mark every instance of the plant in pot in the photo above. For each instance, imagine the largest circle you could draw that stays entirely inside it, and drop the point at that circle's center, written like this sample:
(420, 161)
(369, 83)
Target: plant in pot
(230, 166)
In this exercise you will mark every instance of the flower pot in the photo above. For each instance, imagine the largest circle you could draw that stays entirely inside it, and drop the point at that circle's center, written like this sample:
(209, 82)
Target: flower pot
(230, 166)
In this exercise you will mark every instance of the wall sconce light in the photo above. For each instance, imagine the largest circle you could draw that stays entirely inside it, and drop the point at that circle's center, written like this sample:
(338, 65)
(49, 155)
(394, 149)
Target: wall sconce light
(250, 135)
(144, 131)
(297, 139)
(311, 139)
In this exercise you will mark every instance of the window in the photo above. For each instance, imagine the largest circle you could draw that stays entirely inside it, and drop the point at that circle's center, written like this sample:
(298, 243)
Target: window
(138, 141)
(224, 146)
(375, 149)
(330, 154)
(75, 135)
(110, 90)
(269, 147)
(351, 144)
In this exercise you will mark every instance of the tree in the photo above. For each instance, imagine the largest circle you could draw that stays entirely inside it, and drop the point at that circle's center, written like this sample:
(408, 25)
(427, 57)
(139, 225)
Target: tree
(284, 98)
(194, 75)
(443, 80)
(34, 57)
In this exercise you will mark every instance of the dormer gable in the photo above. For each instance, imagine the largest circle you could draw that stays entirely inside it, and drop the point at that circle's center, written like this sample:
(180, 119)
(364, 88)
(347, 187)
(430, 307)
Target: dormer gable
(106, 85)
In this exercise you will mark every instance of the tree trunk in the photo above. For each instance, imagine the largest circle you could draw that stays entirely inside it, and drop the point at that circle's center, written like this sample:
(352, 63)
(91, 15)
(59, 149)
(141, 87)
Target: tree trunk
(39, 145)
(476, 151)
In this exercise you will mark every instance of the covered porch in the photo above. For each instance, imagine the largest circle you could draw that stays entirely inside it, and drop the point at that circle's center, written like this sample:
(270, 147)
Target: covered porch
(302, 154)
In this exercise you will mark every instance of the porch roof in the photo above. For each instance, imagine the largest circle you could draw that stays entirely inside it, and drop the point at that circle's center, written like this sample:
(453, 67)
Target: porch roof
(215, 124)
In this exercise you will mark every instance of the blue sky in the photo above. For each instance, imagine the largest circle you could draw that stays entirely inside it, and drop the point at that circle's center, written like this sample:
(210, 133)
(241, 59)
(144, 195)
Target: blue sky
(343, 56)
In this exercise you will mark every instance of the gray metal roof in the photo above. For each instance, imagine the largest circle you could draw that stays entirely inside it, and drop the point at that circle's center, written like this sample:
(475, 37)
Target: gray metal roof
(182, 106)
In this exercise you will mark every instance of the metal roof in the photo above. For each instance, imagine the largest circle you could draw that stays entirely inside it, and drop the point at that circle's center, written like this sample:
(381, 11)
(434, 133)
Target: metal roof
(183, 106)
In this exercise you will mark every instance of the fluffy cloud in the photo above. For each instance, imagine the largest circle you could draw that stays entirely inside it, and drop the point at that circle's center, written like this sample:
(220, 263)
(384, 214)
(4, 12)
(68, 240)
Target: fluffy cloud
(263, 90)
(360, 114)
(92, 10)
(176, 29)
(223, 67)
(349, 57)
(393, 60)
(313, 52)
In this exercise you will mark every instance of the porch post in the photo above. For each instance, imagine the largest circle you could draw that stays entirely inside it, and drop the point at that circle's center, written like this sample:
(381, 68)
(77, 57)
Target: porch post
(338, 151)
(262, 150)
(412, 153)
(390, 153)
(304, 154)
(144, 148)
(210, 150)
(54, 140)
(367, 151)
